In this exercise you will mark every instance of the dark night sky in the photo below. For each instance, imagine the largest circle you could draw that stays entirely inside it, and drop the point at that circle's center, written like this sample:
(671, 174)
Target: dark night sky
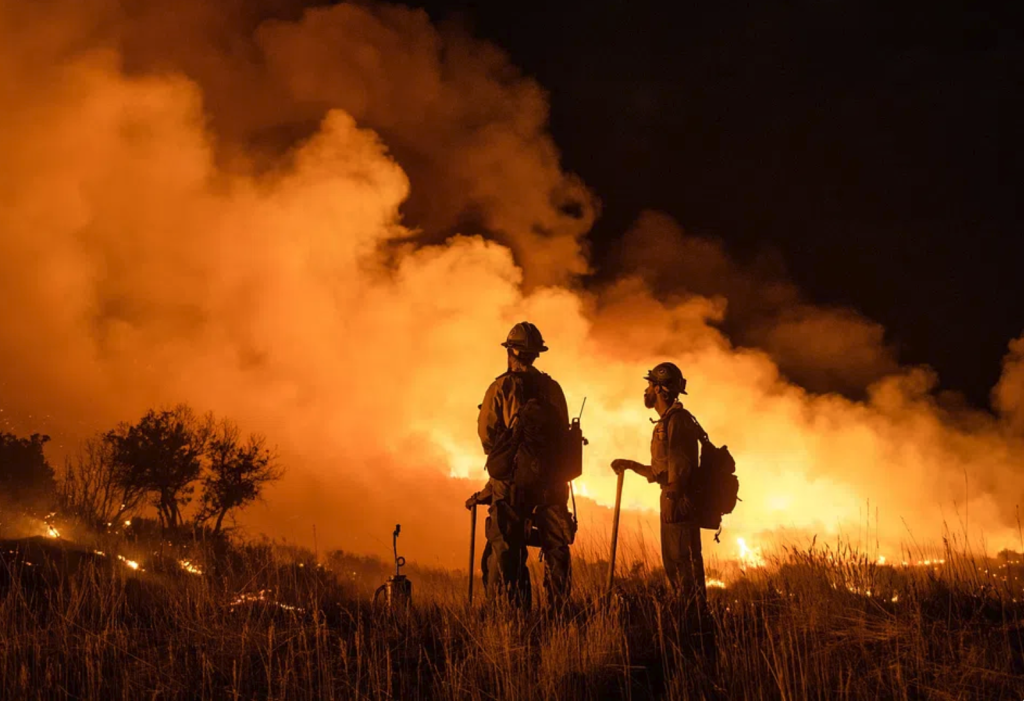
(875, 145)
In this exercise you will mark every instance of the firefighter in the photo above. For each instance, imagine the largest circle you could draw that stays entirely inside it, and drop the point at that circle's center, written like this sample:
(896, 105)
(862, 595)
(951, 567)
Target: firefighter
(523, 426)
(674, 460)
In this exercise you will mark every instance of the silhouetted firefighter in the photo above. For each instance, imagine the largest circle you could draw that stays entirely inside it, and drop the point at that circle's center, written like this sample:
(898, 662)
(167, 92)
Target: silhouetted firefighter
(524, 428)
(694, 493)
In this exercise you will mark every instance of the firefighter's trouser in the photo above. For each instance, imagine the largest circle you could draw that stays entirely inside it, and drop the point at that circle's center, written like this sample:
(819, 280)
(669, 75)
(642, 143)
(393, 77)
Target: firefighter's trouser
(683, 560)
(684, 567)
(515, 521)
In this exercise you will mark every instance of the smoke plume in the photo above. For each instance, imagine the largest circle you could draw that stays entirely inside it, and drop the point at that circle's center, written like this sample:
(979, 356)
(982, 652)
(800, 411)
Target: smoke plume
(1008, 395)
(323, 223)
(822, 349)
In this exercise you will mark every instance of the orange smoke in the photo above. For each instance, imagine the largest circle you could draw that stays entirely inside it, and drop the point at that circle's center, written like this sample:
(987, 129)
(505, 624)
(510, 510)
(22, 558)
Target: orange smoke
(323, 228)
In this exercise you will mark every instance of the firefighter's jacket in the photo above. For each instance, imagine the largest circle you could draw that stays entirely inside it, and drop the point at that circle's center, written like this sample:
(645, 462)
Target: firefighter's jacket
(674, 447)
(503, 400)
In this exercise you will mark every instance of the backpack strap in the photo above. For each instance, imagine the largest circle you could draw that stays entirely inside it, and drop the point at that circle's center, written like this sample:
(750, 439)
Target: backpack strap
(702, 435)
(530, 390)
(520, 381)
(529, 384)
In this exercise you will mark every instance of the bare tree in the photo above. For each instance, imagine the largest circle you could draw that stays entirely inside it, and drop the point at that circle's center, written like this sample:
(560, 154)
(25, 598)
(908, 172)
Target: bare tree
(93, 486)
(163, 455)
(236, 473)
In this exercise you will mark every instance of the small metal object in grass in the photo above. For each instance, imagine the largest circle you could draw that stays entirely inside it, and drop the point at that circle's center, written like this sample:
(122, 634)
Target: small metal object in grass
(397, 590)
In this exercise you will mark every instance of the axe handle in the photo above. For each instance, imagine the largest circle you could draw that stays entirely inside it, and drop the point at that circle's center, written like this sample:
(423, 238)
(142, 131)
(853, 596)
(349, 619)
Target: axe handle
(472, 549)
(615, 530)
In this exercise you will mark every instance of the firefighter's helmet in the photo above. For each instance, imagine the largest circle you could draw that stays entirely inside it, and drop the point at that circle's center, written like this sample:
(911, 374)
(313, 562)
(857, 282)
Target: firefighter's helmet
(669, 376)
(525, 337)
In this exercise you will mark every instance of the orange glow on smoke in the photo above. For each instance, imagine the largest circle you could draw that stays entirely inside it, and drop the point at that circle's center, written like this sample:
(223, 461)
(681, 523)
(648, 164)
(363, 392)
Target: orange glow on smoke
(292, 242)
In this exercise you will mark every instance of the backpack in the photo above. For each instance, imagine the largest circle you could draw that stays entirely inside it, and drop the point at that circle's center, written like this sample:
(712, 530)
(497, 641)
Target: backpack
(716, 489)
(532, 450)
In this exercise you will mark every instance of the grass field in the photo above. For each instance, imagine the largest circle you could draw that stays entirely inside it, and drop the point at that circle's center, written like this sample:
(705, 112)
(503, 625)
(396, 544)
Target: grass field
(263, 621)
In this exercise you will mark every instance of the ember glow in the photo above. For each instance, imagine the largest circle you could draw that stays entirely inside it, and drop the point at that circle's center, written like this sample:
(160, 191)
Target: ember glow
(263, 596)
(288, 240)
(131, 564)
(50, 530)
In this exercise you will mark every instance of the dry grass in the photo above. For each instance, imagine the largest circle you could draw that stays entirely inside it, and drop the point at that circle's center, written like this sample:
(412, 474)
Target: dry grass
(80, 625)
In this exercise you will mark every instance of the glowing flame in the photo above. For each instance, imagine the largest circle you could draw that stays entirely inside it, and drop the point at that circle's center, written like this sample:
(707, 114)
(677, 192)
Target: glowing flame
(128, 563)
(51, 531)
(715, 583)
(190, 568)
(749, 557)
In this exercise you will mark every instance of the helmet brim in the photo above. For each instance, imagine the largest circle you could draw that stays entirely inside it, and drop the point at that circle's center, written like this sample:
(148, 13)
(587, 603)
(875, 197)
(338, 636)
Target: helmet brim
(651, 379)
(525, 349)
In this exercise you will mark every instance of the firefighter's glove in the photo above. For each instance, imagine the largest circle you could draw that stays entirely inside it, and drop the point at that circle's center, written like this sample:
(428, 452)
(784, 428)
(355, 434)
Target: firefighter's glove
(484, 497)
(620, 466)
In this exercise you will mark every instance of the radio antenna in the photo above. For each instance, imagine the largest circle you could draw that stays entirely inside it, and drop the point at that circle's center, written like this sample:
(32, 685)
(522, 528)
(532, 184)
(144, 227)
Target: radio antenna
(584, 406)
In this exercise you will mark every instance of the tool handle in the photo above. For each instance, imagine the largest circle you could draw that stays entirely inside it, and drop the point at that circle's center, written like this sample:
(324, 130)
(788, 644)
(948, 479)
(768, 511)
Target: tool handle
(472, 549)
(615, 530)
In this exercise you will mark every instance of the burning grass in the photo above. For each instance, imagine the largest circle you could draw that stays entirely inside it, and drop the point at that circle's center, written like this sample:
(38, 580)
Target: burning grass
(262, 621)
